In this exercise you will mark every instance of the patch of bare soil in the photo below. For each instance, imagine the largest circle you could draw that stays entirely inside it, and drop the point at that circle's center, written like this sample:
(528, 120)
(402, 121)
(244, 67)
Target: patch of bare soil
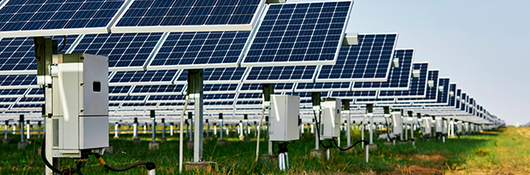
(431, 158)
(417, 170)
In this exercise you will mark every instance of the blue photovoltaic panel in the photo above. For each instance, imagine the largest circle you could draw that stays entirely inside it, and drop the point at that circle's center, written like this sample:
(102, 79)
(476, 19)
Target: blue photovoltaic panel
(126, 98)
(143, 76)
(12, 92)
(201, 49)
(431, 92)
(119, 89)
(42, 15)
(35, 92)
(463, 106)
(256, 102)
(27, 105)
(353, 94)
(4, 106)
(417, 85)
(387, 100)
(219, 96)
(459, 95)
(123, 50)
(323, 86)
(137, 104)
(370, 60)
(220, 88)
(398, 77)
(282, 74)
(174, 104)
(443, 96)
(255, 87)
(18, 80)
(250, 96)
(299, 32)
(153, 89)
(306, 95)
(114, 104)
(7, 100)
(212, 75)
(32, 100)
(18, 54)
(452, 99)
(189, 12)
(166, 98)
(217, 103)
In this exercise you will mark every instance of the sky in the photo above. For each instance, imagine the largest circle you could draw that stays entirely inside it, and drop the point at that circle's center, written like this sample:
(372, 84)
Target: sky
(481, 45)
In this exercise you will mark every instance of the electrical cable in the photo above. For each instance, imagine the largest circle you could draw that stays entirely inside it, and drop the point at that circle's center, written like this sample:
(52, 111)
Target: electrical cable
(50, 166)
(318, 131)
(350, 147)
(259, 131)
(148, 165)
(181, 139)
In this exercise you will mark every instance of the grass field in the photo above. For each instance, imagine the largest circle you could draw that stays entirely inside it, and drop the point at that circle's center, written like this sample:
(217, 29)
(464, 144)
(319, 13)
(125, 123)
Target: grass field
(503, 151)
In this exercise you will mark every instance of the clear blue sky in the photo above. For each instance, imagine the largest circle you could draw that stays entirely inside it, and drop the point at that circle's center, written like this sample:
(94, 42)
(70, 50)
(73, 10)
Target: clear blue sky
(481, 45)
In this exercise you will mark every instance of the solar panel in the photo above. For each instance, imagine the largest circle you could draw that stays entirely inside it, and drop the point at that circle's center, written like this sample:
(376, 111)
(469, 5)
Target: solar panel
(39, 100)
(217, 103)
(152, 77)
(8, 100)
(398, 77)
(353, 94)
(459, 97)
(158, 89)
(25, 106)
(323, 86)
(46, 18)
(12, 92)
(281, 74)
(442, 97)
(463, 101)
(258, 88)
(191, 15)
(119, 90)
(452, 98)
(166, 98)
(18, 80)
(123, 50)
(247, 96)
(430, 92)
(229, 75)
(18, 54)
(35, 92)
(138, 104)
(220, 88)
(367, 61)
(217, 97)
(200, 50)
(417, 87)
(306, 95)
(299, 33)
(126, 99)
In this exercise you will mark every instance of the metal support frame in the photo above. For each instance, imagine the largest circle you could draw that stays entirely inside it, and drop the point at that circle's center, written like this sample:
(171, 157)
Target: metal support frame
(316, 98)
(195, 91)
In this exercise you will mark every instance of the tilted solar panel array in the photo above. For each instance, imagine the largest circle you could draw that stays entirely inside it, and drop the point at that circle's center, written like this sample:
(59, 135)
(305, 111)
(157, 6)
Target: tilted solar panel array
(398, 77)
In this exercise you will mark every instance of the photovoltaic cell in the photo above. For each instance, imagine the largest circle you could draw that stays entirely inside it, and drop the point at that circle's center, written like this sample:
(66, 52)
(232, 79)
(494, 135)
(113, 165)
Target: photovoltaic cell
(190, 12)
(457, 101)
(32, 105)
(398, 77)
(115, 99)
(154, 89)
(452, 99)
(35, 92)
(353, 94)
(201, 49)
(217, 75)
(123, 50)
(44, 15)
(219, 96)
(323, 86)
(18, 80)
(417, 85)
(282, 74)
(18, 54)
(138, 104)
(250, 96)
(218, 103)
(220, 88)
(258, 88)
(367, 61)
(31, 100)
(431, 92)
(166, 98)
(119, 89)
(299, 32)
(143, 76)
(12, 92)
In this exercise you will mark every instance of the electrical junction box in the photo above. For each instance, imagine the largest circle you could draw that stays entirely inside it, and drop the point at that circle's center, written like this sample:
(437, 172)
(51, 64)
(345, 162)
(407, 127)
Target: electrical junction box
(438, 124)
(397, 122)
(426, 125)
(283, 120)
(79, 103)
(466, 127)
(331, 115)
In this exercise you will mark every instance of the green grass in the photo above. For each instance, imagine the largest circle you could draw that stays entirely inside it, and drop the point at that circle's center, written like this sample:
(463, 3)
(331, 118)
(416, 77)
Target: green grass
(503, 150)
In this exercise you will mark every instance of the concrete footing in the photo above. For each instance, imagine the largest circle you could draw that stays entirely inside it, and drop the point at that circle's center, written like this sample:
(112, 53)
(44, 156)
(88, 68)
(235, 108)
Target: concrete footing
(109, 150)
(221, 142)
(6, 141)
(136, 141)
(207, 167)
(154, 145)
(321, 153)
(372, 147)
(163, 139)
(22, 145)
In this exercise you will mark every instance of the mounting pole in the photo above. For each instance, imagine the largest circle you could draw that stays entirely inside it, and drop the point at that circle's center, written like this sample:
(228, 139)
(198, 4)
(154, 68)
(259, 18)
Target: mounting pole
(346, 107)
(268, 89)
(195, 91)
(315, 98)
